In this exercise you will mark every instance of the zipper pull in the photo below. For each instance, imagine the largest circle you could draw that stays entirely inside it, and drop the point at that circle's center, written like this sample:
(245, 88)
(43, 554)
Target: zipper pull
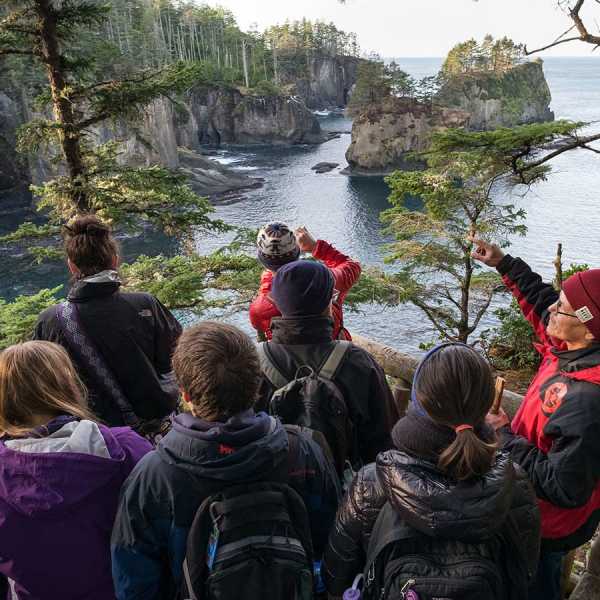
(407, 593)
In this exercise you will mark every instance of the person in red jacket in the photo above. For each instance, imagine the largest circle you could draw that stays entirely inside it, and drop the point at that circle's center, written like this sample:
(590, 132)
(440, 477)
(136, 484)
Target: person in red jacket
(555, 434)
(277, 246)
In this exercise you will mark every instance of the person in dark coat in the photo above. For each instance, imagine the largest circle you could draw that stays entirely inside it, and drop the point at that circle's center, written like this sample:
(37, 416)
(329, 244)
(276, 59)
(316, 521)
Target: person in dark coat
(133, 333)
(303, 291)
(221, 441)
(555, 434)
(445, 481)
(60, 479)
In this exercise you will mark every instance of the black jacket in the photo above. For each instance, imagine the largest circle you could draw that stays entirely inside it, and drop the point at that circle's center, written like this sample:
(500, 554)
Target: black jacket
(307, 341)
(193, 461)
(134, 333)
(431, 504)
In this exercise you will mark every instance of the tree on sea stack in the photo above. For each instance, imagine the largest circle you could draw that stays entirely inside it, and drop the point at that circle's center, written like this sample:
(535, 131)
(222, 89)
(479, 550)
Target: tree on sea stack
(463, 191)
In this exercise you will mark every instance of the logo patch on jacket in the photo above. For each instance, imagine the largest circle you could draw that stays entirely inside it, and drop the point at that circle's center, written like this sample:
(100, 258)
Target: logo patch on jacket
(223, 449)
(552, 397)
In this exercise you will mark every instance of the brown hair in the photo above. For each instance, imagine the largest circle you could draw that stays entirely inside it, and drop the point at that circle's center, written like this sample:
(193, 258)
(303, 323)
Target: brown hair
(90, 245)
(38, 378)
(455, 387)
(218, 367)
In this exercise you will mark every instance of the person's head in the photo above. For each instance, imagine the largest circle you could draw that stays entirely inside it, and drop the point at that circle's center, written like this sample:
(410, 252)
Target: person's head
(218, 370)
(90, 246)
(37, 383)
(575, 317)
(455, 388)
(276, 246)
(303, 288)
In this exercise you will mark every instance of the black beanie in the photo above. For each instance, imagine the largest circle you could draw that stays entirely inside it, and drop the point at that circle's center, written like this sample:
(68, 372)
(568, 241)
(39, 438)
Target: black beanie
(302, 288)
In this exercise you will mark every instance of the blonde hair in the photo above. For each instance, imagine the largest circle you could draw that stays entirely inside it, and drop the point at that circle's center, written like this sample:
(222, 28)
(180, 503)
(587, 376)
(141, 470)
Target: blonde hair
(38, 378)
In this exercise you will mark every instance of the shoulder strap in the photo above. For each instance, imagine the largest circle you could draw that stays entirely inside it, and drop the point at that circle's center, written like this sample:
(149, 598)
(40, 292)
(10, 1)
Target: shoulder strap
(331, 366)
(388, 528)
(269, 368)
(82, 347)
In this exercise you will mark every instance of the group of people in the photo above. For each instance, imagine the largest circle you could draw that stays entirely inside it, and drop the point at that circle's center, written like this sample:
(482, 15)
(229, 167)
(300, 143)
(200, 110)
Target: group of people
(140, 461)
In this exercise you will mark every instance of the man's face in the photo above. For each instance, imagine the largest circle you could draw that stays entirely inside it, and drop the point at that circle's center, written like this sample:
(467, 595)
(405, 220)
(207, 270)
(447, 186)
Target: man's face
(564, 324)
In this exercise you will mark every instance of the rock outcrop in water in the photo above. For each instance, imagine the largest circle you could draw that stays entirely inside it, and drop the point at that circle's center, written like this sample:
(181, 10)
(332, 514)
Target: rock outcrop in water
(327, 84)
(515, 97)
(383, 135)
(387, 131)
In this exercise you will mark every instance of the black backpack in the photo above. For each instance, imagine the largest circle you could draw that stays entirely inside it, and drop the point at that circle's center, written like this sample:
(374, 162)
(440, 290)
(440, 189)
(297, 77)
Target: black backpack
(250, 541)
(312, 399)
(404, 564)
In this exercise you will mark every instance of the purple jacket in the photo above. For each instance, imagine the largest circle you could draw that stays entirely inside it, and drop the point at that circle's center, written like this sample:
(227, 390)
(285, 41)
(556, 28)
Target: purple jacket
(58, 499)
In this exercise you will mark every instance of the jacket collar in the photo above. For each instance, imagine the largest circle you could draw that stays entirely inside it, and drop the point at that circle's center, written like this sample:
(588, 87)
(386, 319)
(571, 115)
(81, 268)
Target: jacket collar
(302, 330)
(98, 285)
(583, 365)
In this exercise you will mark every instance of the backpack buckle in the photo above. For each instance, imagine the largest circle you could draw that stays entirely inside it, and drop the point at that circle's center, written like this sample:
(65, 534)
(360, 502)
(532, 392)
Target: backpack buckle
(404, 592)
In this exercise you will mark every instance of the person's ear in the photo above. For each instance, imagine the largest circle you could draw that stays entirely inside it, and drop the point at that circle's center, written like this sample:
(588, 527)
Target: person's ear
(73, 268)
(115, 262)
(589, 336)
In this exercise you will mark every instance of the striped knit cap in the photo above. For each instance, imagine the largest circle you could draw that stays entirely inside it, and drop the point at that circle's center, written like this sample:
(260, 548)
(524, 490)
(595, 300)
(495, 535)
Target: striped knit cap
(276, 246)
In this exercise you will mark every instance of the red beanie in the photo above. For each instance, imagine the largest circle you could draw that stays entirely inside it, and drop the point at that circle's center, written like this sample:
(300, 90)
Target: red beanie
(583, 293)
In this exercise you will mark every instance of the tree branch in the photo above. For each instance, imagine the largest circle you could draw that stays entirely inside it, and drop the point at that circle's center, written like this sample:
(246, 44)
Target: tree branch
(577, 143)
(584, 34)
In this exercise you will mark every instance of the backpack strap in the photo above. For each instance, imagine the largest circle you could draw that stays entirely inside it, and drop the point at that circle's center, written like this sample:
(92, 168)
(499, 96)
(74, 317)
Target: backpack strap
(88, 355)
(331, 366)
(269, 368)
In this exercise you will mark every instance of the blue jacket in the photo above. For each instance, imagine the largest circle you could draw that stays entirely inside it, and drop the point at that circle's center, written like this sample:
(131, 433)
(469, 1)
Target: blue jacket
(195, 460)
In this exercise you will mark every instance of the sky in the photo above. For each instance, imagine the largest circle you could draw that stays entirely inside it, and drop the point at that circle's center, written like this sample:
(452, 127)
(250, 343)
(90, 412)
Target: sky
(402, 28)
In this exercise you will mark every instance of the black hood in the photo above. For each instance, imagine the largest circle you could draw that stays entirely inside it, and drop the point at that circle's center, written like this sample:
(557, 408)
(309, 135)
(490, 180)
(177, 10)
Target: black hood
(431, 503)
(102, 284)
(246, 447)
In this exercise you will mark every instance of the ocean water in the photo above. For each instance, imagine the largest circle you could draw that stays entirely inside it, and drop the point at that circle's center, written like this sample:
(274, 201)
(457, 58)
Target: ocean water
(346, 210)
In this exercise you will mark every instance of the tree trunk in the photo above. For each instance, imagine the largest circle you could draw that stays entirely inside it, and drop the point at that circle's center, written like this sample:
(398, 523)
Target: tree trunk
(245, 62)
(463, 325)
(69, 136)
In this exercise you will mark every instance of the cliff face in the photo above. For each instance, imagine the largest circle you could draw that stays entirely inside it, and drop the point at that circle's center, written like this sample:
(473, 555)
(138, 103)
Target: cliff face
(217, 116)
(14, 172)
(384, 134)
(167, 132)
(328, 82)
(516, 97)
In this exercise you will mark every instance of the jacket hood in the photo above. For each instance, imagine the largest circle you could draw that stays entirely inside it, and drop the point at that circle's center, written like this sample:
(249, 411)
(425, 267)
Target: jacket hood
(76, 460)
(246, 447)
(302, 330)
(432, 504)
(101, 284)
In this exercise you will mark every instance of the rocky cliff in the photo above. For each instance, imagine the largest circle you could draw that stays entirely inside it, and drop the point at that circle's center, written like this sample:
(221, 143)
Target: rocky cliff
(384, 134)
(226, 116)
(168, 132)
(14, 172)
(326, 83)
(518, 96)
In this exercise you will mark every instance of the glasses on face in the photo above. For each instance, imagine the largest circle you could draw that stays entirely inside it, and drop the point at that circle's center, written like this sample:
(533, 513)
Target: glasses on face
(560, 312)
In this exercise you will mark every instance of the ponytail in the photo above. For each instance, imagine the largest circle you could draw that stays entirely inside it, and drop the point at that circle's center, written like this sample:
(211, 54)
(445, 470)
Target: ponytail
(90, 245)
(467, 456)
(455, 388)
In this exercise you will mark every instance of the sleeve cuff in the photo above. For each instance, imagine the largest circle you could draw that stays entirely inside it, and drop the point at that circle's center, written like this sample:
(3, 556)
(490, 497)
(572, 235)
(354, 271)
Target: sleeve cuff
(320, 247)
(505, 264)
